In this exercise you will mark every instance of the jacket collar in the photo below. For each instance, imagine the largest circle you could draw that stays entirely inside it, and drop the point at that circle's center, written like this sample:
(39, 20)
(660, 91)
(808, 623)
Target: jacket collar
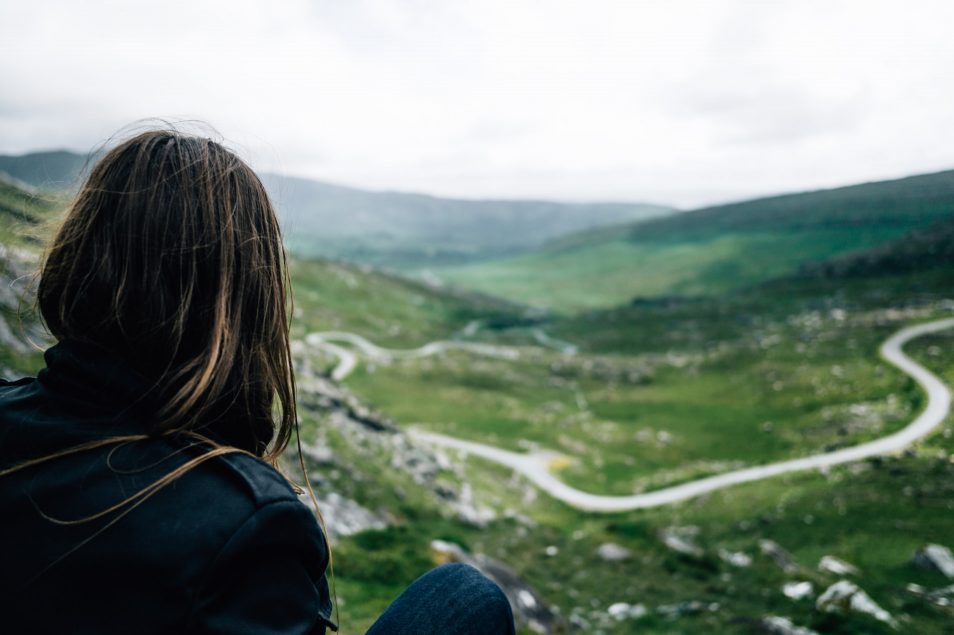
(97, 377)
(105, 383)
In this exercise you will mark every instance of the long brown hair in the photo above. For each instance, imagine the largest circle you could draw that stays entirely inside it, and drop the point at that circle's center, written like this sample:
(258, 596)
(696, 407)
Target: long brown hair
(171, 254)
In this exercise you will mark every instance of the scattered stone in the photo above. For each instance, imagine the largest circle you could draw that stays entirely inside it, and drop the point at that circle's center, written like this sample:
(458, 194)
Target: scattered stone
(551, 551)
(529, 608)
(319, 453)
(778, 555)
(623, 611)
(736, 558)
(831, 564)
(798, 590)
(775, 625)
(344, 516)
(845, 595)
(936, 558)
(611, 552)
(681, 540)
(942, 597)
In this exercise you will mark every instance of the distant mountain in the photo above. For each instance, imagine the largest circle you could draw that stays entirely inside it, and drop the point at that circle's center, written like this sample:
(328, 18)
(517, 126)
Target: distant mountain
(54, 170)
(396, 229)
(713, 250)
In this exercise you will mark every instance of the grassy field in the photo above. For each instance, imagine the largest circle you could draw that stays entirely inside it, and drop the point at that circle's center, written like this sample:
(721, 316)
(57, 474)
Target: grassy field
(578, 277)
(391, 311)
(873, 514)
(790, 385)
(710, 251)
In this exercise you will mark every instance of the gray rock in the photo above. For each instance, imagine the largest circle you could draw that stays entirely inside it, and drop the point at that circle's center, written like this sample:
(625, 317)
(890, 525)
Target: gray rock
(844, 596)
(736, 558)
(776, 625)
(831, 564)
(344, 516)
(943, 597)
(682, 540)
(625, 611)
(797, 590)
(936, 558)
(611, 552)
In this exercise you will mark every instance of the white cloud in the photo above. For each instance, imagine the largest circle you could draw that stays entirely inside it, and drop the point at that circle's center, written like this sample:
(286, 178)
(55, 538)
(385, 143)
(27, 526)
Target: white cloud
(682, 101)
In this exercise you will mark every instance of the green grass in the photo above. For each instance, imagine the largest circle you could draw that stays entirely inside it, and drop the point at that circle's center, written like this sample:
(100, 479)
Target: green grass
(388, 310)
(713, 250)
(25, 218)
(650, 420)
(612, 272)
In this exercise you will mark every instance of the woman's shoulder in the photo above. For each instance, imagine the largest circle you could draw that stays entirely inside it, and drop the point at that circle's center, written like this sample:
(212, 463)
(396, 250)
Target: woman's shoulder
(256, 479)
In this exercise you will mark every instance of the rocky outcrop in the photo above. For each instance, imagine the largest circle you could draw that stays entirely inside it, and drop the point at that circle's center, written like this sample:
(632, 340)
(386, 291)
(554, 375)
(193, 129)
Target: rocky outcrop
(18, 326)
(936, 558)
(370, 432)
(844, 596)
(343, 516)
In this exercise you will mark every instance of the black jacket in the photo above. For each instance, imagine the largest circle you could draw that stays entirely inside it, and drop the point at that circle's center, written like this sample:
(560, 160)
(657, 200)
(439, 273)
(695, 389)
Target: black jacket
(225, 548)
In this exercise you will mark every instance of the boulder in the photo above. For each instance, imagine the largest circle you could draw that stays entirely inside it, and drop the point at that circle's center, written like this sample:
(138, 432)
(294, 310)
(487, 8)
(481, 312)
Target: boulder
(798, 590)
(936, 558)
(682, 540)
(844, 596)
(831, 564)
(611, 552)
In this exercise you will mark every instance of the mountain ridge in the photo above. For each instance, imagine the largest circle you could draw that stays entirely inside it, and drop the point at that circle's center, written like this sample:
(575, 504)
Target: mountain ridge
(384, 227)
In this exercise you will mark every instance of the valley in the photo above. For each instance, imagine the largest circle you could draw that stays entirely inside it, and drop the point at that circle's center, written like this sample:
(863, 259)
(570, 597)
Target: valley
(626, 394)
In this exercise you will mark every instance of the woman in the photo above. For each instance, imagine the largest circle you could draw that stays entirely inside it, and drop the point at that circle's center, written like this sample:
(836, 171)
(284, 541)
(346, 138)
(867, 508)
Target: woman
(138, 487)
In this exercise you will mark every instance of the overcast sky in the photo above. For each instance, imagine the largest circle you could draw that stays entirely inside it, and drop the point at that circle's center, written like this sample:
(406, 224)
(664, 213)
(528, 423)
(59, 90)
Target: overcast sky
(677, 101)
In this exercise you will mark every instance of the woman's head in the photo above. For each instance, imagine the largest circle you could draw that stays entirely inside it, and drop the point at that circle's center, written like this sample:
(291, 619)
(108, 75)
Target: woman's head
(171, 255)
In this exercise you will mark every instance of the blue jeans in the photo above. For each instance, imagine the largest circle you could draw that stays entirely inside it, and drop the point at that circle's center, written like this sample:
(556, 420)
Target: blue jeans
(453, 599)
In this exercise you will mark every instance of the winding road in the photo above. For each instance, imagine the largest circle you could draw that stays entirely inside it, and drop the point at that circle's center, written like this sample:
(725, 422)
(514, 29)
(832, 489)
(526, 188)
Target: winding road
(535, 466)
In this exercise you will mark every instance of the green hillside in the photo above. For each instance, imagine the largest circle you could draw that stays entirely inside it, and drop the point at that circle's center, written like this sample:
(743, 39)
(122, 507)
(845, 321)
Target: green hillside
(51, 171)
(390, 310)
(713, 250)
(393, 229)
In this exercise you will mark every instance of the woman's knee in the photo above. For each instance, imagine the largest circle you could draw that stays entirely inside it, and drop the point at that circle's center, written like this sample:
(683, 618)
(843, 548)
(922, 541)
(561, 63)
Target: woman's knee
(482, 594)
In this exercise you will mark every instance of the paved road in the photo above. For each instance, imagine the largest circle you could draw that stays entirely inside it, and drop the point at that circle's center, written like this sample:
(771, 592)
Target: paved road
(535, 466)
(347, 361)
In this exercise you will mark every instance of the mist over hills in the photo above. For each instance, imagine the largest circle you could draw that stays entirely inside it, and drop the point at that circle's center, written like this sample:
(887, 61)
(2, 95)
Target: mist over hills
(394, 229)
